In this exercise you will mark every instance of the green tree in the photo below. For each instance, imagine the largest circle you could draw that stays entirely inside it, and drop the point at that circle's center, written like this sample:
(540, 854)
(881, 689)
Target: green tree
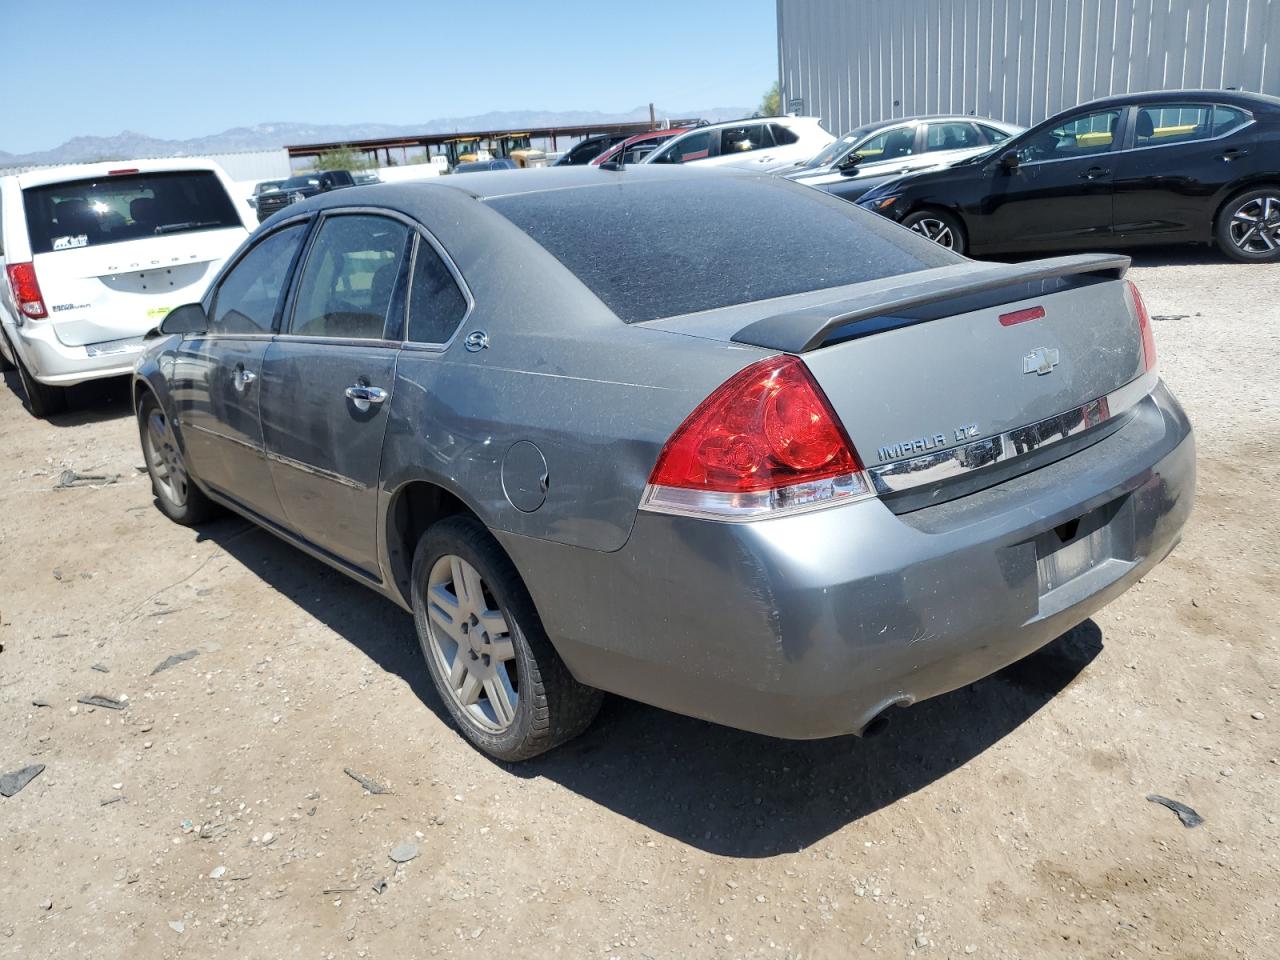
(342, 158)
(771, 105)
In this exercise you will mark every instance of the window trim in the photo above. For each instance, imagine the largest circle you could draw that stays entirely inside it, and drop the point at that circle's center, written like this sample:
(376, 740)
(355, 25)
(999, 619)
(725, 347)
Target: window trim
(291, 303)
(1131, 139)
(421, 233)
(215, 288)
(1123, 125)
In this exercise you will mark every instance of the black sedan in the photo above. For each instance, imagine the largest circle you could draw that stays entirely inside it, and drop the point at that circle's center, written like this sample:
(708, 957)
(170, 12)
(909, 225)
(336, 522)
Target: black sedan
(1149, 168)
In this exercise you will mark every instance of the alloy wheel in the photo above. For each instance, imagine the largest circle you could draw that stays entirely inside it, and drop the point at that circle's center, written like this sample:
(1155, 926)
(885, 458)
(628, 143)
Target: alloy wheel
(1255, 224)
(471, 642)
(167, 466)
(936, 230)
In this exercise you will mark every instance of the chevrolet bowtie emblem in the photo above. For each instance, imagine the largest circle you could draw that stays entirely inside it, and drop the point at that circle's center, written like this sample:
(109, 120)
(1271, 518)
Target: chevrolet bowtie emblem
(1040, 361)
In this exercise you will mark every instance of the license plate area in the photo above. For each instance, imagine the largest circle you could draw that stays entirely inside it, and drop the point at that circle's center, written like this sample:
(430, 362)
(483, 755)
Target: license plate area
(1082, 545)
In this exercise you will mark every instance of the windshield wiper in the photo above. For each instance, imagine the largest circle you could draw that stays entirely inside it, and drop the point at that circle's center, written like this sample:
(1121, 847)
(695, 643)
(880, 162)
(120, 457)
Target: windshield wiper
(188, 225)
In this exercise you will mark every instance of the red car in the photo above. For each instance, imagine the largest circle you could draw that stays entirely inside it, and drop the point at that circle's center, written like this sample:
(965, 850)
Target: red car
(636, 147)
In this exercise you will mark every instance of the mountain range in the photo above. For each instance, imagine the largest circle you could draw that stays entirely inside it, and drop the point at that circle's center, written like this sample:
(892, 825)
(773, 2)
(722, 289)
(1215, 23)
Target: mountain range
(130, 145)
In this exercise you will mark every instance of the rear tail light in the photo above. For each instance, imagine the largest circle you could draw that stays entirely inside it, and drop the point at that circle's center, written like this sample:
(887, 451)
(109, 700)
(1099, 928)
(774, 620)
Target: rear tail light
(765, 441)
(26, 290)
(1144, 326)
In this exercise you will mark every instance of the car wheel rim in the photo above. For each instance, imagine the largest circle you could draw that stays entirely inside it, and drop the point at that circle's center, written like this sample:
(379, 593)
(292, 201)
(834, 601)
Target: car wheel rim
(471, 642)
(936, 230)
(1255, 225)
(167, 467)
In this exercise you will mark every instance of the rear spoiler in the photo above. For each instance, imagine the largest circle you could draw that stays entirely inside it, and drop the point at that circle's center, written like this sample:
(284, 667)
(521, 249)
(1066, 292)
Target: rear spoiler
(805, 329)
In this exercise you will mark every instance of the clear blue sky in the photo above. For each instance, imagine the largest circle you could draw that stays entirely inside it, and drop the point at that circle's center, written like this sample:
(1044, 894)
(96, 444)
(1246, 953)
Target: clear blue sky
(184, 68)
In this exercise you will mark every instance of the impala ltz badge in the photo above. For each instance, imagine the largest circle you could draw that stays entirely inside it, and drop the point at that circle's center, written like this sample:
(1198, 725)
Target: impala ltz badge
(1040, 361)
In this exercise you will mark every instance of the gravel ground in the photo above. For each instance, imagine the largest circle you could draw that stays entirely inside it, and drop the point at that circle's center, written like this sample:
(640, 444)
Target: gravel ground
(212, 815)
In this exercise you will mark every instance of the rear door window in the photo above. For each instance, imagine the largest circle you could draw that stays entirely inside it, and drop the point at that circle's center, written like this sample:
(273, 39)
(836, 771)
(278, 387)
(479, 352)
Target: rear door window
(436, 304)
(247, 298)
(744, 139)
(1157, 125)
(350, 278)
(783, 136)
(93, 212)
(890, 145)
(951, 135)
(993, 134)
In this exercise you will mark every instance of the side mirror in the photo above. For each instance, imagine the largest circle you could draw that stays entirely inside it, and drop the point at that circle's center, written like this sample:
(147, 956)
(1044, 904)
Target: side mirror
(849, 165)
(1010, 161)
(188, 318)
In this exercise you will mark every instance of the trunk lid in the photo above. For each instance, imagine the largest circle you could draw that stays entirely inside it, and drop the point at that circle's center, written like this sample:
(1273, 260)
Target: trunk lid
(918, 389)
(938, 359)
(119, 290)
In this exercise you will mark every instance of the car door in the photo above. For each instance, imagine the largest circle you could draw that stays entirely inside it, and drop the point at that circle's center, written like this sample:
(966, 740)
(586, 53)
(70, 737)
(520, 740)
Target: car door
(1180, 156)
(328, 377)
(890, 152)
(215, 382)
(1060, 193)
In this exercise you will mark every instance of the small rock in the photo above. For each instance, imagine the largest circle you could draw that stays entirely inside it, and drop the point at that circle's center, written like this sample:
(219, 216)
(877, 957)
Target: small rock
(1258, 715)
(177, 926)
(404, 852)
(46, 904)
(100, 667)
(970, 948)
(921, 940)
(40, 703)
(1226, 771)
(268, 838)
(12, 782)
(217, 873)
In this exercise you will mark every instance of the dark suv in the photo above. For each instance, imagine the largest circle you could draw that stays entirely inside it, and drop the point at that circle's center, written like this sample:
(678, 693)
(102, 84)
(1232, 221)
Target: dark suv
(300, 187)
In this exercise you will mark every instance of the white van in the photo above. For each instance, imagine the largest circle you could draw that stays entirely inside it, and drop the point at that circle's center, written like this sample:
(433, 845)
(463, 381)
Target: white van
(95, 255)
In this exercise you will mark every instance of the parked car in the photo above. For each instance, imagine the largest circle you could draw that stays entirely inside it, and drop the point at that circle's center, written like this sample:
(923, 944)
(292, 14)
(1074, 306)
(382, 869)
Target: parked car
(261, 187)
(761, 143)
(586, 150)
(872, 154)
(95, 255)
(476, 166)
(634, 149)
(365, 177)
(846, 469)
(300, 187)
(1177, 166)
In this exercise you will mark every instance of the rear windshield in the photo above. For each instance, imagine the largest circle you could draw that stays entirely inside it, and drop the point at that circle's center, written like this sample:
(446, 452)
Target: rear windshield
(90, 213)
(662, 248)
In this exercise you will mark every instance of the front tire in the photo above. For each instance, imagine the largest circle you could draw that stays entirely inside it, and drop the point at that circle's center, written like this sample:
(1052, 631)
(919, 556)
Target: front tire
(176, 493)
(42, 400)
(943, 228)
(1248, 228)
(489, 656)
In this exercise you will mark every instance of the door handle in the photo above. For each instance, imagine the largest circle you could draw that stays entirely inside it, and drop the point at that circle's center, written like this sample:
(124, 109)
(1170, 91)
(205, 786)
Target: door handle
(1235, 153)
(1094, 173)
(241, 378)
(362, 395)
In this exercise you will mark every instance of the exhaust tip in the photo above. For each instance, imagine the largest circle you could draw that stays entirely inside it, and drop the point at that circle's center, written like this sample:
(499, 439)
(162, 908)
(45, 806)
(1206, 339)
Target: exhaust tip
(877, 726)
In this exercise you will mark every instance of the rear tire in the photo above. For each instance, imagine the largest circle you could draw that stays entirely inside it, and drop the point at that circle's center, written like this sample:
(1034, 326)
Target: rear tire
(1248, 228)
(485, 646)
(42, 399)
(176, 493)
(943, 228)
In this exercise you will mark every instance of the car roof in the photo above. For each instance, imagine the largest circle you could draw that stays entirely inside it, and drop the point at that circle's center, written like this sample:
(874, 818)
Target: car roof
(44, 176)
(1242, 98)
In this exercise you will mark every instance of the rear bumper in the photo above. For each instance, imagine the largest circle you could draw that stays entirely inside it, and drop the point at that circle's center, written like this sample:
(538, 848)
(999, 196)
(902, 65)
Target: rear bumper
(809, 626)
(51, 361)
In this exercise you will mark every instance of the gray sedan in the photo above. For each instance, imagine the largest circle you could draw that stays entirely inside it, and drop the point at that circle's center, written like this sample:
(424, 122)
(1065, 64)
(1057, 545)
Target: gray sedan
(596, 433)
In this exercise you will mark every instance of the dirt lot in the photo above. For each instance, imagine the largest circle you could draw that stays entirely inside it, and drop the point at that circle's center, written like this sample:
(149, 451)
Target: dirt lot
(212, 816)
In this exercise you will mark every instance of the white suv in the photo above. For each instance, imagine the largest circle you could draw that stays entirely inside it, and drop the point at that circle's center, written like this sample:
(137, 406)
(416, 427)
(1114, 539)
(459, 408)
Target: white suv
(95, 255)
(760, 143)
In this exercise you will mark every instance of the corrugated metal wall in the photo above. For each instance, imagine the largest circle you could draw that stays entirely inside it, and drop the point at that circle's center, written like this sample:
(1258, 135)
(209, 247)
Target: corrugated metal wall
(856, 61)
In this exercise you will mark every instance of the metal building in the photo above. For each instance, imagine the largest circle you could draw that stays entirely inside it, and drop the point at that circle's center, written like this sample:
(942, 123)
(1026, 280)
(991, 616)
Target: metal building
(856, 61)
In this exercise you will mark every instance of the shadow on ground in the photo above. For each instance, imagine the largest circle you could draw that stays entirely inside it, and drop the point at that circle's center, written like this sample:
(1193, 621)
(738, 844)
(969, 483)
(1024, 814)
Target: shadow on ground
(93, 402)
(717, 789)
